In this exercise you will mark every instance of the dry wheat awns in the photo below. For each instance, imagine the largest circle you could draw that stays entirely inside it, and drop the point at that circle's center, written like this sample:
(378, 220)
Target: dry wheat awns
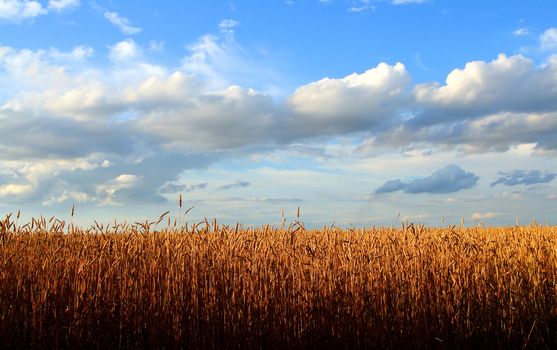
(215, 286)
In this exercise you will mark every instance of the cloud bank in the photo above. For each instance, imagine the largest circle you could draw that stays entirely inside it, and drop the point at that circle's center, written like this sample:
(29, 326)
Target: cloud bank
(96, 134)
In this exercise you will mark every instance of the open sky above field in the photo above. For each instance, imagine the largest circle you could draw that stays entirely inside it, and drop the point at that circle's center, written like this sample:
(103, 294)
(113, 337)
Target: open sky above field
(360, 112)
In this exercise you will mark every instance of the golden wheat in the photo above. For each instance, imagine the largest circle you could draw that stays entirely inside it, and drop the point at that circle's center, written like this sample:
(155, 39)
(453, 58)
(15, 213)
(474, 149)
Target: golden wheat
(218, 286)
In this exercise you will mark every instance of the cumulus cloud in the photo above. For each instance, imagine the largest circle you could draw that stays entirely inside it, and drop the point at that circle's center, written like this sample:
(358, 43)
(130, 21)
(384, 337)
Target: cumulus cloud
(17, 10)
(484, 107)
(20, 10)
(14, 189)
(124, 51)
(65, 196)
(78, 53)
(449, 179)
(493, 133)
(354, 103)
(60, 5)
(227, 119)
(127, 180)
(179, 110)
(51, 137)
(523, 177)
(506, 84)
(237, 184)
(80, 129)
(122, 23)
(548, 39)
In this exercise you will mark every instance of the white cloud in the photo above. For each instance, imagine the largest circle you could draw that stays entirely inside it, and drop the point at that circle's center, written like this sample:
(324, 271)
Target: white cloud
(506, 84)
(174, 89)
(17, 10)
(124, 51)
(20, 10)
(79, 53)
(483, 216)
(66, 196)
(14, 189)
(60, 5)
(198, 122)
(548, 40)
(122, 23)
(486, 106)
(353, 103)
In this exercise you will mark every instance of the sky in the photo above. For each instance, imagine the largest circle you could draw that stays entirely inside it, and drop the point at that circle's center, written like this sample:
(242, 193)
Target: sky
(360, 112)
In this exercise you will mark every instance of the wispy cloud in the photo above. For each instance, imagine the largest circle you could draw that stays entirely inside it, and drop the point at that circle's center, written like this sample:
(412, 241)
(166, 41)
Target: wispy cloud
(221, 61)
(172, 187)
(403, 2)
(237, 184)
(228, 25)
(521, 32)
(361, 6)
(523, 177)
(122, 23)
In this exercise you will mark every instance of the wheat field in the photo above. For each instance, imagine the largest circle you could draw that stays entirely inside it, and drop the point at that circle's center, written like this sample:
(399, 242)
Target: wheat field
(212, 286)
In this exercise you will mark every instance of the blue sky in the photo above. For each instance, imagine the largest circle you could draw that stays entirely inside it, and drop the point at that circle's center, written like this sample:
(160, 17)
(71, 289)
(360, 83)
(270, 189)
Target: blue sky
(361, 112)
